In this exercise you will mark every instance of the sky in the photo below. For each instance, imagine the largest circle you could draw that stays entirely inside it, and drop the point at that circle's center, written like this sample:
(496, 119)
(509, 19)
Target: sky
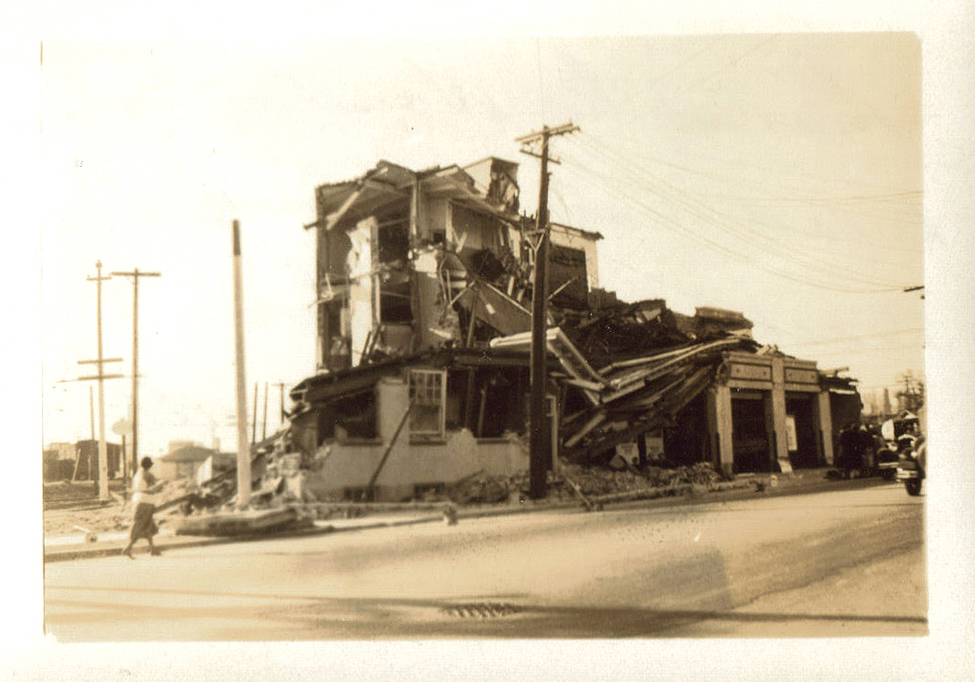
(779, 175)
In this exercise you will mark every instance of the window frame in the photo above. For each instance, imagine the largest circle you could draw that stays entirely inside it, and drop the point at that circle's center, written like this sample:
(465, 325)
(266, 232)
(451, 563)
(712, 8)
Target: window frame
(429, 391)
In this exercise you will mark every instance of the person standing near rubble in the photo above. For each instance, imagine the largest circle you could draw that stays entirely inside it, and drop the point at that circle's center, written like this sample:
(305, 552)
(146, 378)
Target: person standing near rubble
(868, 458)
(850, 459)
(144, 484)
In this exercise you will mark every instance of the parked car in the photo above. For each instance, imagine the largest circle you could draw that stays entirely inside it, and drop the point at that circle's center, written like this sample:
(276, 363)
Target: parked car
(899, 435)
(910, 468)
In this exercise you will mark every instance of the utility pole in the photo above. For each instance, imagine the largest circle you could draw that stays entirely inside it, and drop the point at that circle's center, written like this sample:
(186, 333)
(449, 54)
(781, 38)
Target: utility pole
(254, 425)
(243, 448)
(539, 456)
(264, 427)
(135, 275)
(281, 386)
(100, 377)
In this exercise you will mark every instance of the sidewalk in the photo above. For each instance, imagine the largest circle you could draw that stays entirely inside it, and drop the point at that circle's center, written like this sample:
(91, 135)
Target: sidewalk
(68, 547)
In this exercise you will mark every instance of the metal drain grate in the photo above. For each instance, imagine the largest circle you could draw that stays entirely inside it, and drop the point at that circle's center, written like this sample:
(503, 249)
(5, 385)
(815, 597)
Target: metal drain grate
(485, 610)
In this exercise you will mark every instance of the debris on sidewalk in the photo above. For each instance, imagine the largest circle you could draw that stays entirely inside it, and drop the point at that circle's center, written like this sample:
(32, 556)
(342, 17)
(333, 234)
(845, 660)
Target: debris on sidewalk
(241, 523)
(479, 488)
(69, 507)
(450, 514)
(90, 536)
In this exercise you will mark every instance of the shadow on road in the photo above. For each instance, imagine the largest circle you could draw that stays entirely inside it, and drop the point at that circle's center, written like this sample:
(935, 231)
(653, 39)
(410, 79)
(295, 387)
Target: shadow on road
(506, 616)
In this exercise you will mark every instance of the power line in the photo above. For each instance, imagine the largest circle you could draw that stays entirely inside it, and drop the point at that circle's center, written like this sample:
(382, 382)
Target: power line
(865, 351)
(693, 201)
(725, 67)
(684, 63)
(912, 330)
(911, 217)
(695, 207)
(723, 248)
(741, 182)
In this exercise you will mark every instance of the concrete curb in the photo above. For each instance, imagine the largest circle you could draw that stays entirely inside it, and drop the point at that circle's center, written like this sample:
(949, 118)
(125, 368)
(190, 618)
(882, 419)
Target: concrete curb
(169, 543)
(680, 495)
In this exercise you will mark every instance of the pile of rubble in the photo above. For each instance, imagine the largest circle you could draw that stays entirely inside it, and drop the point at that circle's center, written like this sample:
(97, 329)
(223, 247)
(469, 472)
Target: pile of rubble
(482, 488)
(596, 481)
(628, 397)
(70, 507)
(622, 330)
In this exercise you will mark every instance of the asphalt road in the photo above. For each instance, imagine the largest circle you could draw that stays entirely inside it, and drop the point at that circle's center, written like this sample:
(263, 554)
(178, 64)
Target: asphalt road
(836, 563)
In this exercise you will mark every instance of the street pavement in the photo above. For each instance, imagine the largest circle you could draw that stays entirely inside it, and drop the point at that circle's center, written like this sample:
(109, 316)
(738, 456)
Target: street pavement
(845, 561)
(74, 546)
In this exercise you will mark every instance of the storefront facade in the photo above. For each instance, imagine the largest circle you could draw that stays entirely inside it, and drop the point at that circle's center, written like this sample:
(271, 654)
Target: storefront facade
(768, 413)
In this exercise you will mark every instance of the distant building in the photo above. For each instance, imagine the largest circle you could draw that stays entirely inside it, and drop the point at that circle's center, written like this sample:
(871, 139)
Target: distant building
(59, 460)
(177, 444)
(87, 460)
(186, 459)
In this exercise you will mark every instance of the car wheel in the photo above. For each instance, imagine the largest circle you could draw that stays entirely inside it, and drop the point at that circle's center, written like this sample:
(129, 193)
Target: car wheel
(913, 488)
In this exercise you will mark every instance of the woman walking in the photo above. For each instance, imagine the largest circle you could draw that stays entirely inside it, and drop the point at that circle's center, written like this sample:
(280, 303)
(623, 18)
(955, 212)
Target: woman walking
(143, 505)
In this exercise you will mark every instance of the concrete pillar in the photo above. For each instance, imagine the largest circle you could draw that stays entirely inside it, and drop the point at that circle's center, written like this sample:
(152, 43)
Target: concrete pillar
(720, 428)
(825, 425)
(781, 441)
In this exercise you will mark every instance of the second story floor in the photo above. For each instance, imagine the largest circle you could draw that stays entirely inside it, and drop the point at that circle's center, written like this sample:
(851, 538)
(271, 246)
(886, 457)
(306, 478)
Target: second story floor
(409, 261)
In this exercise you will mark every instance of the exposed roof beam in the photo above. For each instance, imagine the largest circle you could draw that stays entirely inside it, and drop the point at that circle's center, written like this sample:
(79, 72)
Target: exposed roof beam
(333, 218)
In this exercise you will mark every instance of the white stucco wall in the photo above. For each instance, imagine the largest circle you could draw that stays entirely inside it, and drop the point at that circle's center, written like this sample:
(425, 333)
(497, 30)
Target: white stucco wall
(363, 307)
(408, 464)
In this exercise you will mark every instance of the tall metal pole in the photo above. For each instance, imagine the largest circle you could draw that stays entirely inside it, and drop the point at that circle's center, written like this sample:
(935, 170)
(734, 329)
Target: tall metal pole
(264, 427)
(135, 275)
(243, 447)
(254, 425)
(281, 385)
(539, 457)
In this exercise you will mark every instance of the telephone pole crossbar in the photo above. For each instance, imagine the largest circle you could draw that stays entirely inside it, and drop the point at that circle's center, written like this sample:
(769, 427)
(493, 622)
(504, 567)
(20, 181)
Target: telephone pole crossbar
(540, 447)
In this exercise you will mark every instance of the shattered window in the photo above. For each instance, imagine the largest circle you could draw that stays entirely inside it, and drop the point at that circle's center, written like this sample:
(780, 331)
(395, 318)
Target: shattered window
(427, 393)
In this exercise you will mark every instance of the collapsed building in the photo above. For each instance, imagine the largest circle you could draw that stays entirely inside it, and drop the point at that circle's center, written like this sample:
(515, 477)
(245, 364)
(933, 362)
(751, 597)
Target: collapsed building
(422, 356)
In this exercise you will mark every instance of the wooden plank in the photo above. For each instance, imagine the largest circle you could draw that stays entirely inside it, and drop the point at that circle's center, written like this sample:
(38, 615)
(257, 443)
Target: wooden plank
(577, 490)
(592, 423)
(333, 218)
(389, 448)
(580, 383)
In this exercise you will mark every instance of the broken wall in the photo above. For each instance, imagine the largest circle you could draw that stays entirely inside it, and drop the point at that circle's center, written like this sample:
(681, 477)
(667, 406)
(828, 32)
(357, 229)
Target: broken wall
(497, 180)
(477, 230)
(582, 240)
(363, 294)
(409, 463)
